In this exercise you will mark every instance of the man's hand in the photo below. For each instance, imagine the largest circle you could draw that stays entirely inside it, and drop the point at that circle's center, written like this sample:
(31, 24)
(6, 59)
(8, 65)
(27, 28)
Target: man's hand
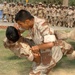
(34, 49)
(37, 57)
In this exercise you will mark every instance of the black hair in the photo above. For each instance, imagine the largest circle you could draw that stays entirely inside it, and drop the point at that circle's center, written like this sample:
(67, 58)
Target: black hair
(23, 15)
(12, 34)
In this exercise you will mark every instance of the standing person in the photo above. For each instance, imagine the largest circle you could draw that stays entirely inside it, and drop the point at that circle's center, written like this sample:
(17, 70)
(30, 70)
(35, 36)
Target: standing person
(45, 40)
(40, 10)
(12, 12)
(5, 11)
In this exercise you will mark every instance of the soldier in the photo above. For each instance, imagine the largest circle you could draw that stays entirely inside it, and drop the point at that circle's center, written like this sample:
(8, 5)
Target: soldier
(35, 10)
(51, 49)
(50, 12)
(12, 12)
(47, 15)
(25, 7)
(53, 15)
(70, 17)
(58, 20)
(28, 8)
(40, 11)
(5, 11)
(19, 6)
(44, 10)
(19, 45)
(65, 11)
(31, 9)
(10, 5)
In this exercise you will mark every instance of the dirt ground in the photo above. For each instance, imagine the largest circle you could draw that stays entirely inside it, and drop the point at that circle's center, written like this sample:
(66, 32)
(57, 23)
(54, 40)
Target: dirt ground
(62, 72)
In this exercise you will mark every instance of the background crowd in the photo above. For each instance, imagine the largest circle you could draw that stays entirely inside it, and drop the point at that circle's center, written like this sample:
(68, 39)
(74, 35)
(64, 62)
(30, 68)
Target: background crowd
(56, 15)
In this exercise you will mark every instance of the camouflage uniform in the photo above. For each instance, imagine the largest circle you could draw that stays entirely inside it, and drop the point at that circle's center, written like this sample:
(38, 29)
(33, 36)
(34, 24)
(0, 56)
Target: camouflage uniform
(53, 15)
(70, 18)
(21, 48)
(28, 8)
(48, 16)
(64, 19)
(12, 12)
(59, 16)
(32, 10)
(48, 57)
(19, 7)
(35, 10)
(40, 11)
(42, 33)
(5, 11)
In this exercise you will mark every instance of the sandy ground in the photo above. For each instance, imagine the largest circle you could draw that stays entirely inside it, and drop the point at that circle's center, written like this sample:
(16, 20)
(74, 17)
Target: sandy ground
(62, 72)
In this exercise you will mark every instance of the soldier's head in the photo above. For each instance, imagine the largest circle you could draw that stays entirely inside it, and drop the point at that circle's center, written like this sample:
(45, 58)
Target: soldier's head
(53, 6)
(5, 2)
(18, 3)
(24, 19)
(40, 4)
(31, 5)
(12, 34)
(13, 4)
(70, 7)
(28, 4)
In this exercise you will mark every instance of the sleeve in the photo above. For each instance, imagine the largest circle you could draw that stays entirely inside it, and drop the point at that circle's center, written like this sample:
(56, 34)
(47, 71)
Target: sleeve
(47, 33)
(49, 38)
(26, 51)
(31, 57)
(7, 44)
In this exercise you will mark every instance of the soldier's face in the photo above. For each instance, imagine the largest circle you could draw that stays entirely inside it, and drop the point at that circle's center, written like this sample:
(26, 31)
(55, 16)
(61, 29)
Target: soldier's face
(25, 25)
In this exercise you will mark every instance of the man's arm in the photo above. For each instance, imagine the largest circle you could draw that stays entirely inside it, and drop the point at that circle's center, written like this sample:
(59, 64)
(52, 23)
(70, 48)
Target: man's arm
(43, 46)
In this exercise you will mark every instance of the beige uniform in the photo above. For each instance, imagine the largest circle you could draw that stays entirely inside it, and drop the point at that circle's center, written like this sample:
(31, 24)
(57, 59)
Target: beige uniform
(28, 9)
(42, 33)
(47, 14)
(12, 12)
(40, 12)
(5, 12)
(5, 9)
(18, 8)
(20, 48)
(35, 11)
(49, 57)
